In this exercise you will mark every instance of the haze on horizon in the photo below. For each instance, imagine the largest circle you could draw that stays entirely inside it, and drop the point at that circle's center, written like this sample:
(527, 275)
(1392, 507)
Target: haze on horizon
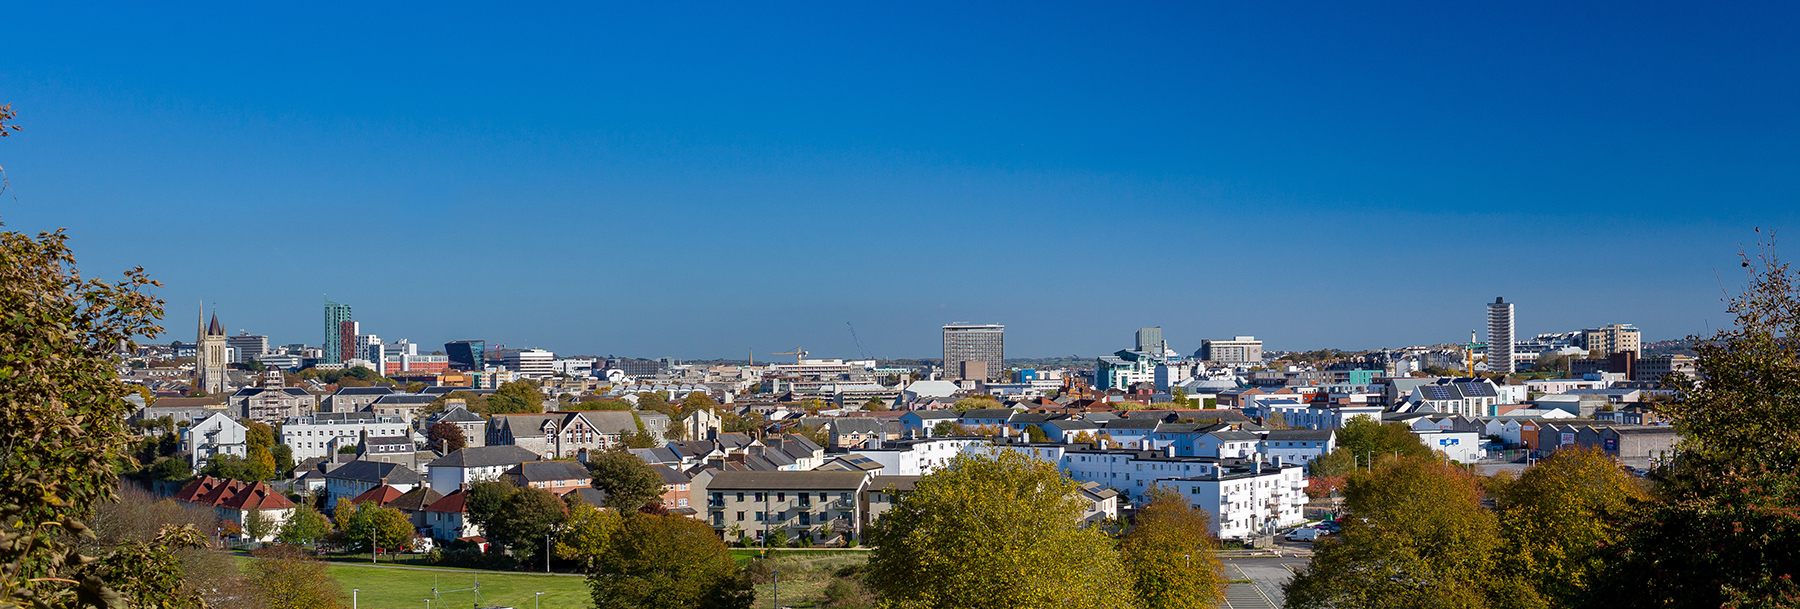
(705, 181)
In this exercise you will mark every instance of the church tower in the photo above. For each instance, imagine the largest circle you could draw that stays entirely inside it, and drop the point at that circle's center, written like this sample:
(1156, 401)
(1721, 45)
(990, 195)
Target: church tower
(211, 355)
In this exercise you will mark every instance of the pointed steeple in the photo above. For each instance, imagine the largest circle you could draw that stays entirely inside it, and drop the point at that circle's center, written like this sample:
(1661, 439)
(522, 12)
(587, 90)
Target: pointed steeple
(215, 329)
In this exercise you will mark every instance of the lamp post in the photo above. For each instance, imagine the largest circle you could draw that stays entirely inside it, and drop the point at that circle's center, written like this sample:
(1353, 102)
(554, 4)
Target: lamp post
(546, 553)
(534, 599)
(775, 577)
(353, 592)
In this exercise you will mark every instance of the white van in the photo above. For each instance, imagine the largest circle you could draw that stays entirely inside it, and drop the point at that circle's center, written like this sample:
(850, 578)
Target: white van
(1305, 534)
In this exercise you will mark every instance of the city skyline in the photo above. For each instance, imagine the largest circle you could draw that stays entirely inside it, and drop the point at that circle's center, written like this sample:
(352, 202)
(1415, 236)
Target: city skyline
(700, 184)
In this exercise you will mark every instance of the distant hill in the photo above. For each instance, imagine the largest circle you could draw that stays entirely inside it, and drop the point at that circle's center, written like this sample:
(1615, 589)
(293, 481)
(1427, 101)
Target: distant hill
(1679, 346)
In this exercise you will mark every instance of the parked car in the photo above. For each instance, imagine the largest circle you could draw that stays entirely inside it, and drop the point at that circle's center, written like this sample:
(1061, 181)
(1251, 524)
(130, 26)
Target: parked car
(1330, 525)
(1305, 534)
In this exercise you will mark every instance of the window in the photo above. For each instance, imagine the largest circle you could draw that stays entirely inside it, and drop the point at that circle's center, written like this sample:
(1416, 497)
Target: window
(761, 497)
(740, 516)
(761, 516)
(781, 496)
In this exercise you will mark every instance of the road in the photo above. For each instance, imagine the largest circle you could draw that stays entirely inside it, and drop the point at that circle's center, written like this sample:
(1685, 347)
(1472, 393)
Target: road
(1266, 575)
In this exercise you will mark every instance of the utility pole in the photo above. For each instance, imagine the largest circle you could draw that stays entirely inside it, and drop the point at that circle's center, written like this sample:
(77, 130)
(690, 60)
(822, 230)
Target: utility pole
(546, 552)
(371, 542)
(775, 577)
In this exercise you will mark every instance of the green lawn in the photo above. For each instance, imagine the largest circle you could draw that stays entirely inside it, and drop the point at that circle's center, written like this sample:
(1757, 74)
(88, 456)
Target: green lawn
(393, 588)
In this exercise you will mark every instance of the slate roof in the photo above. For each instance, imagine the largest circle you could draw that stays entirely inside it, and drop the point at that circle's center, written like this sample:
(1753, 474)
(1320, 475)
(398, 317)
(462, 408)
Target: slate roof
(410, 399)
(671, 475)
(364, 391)
(987, 413)
(589, 495)
(533, 471)
(416, 500)
(459, 415)
(486, 456)
(374, 471)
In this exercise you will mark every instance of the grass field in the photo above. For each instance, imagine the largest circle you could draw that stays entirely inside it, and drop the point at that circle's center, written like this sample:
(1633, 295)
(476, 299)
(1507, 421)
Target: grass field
(391, 588)
(386, 587)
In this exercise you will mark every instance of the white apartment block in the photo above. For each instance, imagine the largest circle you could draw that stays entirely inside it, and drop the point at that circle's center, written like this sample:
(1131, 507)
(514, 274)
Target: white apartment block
(1247, 501)
(532, 363)
(313, 436)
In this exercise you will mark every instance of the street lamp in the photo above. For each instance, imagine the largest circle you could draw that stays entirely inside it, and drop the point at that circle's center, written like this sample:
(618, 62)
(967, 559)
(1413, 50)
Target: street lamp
(534, 600)
(353, 592)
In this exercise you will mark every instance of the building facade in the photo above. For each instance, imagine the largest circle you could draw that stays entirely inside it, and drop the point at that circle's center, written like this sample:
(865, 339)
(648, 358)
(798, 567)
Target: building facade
(1607, 340)
(1238, 350)
(336, 314)
(1500, 337)
(984, 343)
(211, 357)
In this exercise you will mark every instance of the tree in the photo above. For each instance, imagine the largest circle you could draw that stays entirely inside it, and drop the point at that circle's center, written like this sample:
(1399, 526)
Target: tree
(516, 397)
(668, 560)
(259, 438)
(976, 403)
(445, 437)
(995, 531)
(949, 428)
(655, 402)
(169, 469)
(1276, 420)
(1558, 515)
(231, 467)
(472, 402)
(290, 578)
(1169, 551)
(486, 500)
(629, 483)
(284, 458)
(257, 526)
(1362, 440)
(1034, 433)
(64, 409)
(305, 526)
(696, 401)
(364, 523)
(587, 534)
(525, 521)
(1722, 529)
(1419, 538)
(875, 405)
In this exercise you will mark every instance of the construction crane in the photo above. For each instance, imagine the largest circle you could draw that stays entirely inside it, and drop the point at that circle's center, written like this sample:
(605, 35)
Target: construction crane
(1469, 353)
(798, 353)
(858, 341)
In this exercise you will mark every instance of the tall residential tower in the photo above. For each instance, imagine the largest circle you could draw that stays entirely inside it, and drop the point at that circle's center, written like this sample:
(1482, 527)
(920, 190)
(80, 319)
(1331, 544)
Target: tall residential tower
(336, 314)
(974, 351)
(1500, 337)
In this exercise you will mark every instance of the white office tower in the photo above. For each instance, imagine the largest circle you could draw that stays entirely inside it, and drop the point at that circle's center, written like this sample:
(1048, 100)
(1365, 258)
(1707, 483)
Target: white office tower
(1500, 337)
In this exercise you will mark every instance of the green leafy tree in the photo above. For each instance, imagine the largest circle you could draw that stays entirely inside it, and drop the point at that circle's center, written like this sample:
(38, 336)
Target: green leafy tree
(628, 481)
(656, 402)
(587, 534)
(231, 467)
(305, 526)
(1419, 538)
(875, 405)
(473, 402)
(1169, 552)
(995, 531)
(1722, 530)
(949, 428)
(486, 500)
(1034, 433)
(1557, 517)
(976, 403)
(284, 458)
(668, 560)
(697, 401)
(169, 469)
(516, 397)
(1362, 441)
(525, 522)
(65, 410)
(258, 525)
(363, 523)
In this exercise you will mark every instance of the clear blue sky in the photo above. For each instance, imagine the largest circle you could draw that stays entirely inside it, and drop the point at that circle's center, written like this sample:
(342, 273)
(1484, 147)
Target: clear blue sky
(698, 180)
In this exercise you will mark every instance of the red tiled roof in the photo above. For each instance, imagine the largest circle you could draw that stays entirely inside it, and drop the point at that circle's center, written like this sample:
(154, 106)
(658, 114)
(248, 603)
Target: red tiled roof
(452, 502)
(234, 494)
(381, 495)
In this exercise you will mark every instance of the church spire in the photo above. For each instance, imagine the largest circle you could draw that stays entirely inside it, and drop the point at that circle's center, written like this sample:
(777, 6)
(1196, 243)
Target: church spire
(215, 329)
